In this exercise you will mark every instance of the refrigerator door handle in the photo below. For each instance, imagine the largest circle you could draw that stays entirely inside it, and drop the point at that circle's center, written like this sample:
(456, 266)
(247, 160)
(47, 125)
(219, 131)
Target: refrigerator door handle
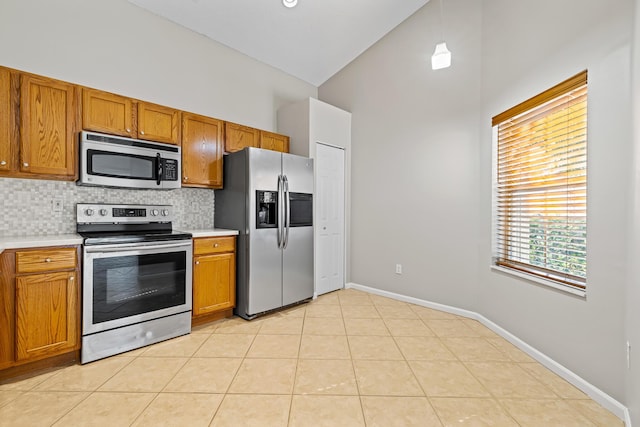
(280, 211)
(287, 212)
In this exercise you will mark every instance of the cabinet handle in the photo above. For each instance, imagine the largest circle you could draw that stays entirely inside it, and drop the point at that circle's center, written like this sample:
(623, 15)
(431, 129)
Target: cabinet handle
(2, 163)
(47, 260)
(197, 262)
(141, 132)
(128, 130)
(215, 245)
(185, 178)
(71, 278)
(25, 164)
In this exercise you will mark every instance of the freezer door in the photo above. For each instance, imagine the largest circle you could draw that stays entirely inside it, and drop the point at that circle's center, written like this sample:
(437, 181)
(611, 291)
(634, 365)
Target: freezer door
(265, 258)
(297, 257)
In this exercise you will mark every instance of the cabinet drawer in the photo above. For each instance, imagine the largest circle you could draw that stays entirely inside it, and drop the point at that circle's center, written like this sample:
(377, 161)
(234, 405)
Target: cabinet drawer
(45, 260)
(212, 245)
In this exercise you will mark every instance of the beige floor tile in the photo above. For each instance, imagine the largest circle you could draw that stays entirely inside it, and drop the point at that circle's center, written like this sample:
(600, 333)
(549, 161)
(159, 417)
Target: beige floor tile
(326, 411)
(206, 328)
(366, 327)
(180, 409)
(455, 411)
(351, 299)
(408, 328)
(275, 346)
(204, 375)
(39, 408)
(426, 313)
(379, 348)
(478, 327)
(560, 386)
(595, 413)
(450, 328)
(330, 298)
(265, 376)
(447, 379)
(324, 347)
(398, 412)
(424, 348)
(145, 374)
(323, 326)
(508, 380)
(380, 300)
(539, 412)
(475, 349)
(7, 396)
(85, 377)
(511, 350)
(107, 409)
(225, 345)
(184, 346)
(27, 382)
(360, 312)
(281, 325)
(335, 377)
(252, 410)
(323, 310)
(386, 378)
(238, 325)
(396, 312)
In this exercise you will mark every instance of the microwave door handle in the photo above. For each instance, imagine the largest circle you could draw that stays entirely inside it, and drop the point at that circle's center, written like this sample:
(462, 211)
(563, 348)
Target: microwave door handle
(287, 212)
(159, 174)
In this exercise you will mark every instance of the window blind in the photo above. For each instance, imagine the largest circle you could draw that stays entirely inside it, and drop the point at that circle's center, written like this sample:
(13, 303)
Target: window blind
(541, 191)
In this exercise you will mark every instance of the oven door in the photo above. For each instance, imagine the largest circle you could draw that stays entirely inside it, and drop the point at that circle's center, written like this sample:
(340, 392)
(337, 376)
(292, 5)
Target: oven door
(130, 283)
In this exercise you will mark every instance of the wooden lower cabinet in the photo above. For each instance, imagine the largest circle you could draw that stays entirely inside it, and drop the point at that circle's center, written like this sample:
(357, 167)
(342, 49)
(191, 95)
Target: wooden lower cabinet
(214, 277)
(40, 310)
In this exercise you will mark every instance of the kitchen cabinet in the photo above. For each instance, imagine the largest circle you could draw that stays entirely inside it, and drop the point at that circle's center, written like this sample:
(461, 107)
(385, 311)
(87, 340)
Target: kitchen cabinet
(202, 149)
(40, 299)
(274, 141)
(107, 113)
(237, 137)
(118, 115)
(214, 275)
(5, 114)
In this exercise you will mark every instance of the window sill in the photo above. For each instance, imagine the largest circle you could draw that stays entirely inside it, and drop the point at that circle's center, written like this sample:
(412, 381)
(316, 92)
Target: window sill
(541, 281)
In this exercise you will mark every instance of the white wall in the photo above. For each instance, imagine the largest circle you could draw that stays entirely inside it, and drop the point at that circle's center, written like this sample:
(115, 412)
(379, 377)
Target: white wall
(116, 46)
(422, 166)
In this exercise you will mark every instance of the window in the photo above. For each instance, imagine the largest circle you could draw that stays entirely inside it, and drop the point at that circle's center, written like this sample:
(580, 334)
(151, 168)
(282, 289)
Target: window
(540, 199)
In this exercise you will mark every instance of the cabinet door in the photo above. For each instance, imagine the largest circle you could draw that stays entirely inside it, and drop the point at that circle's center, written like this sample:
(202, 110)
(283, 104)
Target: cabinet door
(201, 151)
(274, 141)
(5, 119)
(214, 283)
(158, 123)
(47, 314)
(236, 137)
(7, 309)
(47, 126)
(108, 113)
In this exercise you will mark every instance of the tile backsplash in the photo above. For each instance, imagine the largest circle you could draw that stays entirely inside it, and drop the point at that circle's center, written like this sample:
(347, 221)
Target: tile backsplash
(27, 208)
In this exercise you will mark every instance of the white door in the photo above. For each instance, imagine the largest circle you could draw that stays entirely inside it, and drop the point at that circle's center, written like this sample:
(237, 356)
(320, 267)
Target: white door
(329, 221)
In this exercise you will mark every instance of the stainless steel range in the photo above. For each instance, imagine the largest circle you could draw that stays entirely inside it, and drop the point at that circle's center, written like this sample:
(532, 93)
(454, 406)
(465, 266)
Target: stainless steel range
(136, 278)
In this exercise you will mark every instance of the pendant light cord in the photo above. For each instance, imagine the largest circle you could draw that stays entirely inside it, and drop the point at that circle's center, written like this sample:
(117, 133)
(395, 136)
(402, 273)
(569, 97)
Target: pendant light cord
(441, 22)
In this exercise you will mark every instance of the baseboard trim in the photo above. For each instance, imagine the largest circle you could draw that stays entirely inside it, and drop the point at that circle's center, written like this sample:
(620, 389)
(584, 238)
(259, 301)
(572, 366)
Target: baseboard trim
(608, 402)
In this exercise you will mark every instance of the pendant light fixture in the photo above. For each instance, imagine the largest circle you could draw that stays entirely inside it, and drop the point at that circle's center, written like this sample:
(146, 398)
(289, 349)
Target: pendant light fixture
(289, 3)
(441, 57)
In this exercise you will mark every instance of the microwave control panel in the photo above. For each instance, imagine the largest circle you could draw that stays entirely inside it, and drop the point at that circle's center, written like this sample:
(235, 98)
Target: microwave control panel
(170, 170)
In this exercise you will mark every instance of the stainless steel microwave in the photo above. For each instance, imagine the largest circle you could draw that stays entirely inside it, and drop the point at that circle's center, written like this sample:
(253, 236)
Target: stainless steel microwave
(115, 161)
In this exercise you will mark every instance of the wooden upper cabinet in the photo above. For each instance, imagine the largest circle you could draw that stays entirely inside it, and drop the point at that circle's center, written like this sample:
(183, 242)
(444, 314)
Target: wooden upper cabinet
(5, 122)
(158, 123)
(274, 141)
(108, 113)
(201, 151)
(48, 110)
(237, 137)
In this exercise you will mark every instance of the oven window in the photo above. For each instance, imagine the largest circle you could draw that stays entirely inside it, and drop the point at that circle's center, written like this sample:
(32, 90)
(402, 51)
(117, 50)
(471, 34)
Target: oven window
(121, 165)
(124, 286)
(301, 209)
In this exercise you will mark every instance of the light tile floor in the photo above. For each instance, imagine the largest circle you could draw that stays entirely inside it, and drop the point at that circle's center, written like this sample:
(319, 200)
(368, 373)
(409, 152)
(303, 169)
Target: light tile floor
(346, 359)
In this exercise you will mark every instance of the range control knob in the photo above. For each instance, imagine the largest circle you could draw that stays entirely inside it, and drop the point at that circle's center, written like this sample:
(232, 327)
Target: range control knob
(154, 212)
(103, 212)
(165, 212)
(88, 212)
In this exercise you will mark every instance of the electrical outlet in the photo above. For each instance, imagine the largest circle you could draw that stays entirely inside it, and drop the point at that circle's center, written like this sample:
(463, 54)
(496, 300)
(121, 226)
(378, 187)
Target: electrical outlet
(398, 268)
(628, 355)
(56, 205)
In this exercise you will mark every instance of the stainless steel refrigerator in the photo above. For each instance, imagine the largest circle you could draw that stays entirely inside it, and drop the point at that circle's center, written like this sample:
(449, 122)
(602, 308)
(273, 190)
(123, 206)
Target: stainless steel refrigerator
(268, 198)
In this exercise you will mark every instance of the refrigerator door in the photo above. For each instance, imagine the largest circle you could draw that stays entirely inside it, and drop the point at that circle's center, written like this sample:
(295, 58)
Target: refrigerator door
(297, 257)
(265, 258)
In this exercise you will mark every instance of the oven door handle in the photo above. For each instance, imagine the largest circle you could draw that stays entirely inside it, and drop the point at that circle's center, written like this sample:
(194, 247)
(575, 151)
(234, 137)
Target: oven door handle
(134, 246)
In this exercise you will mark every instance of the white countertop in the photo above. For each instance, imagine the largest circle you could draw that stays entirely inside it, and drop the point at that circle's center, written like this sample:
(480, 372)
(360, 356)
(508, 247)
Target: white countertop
(212, 232)
(38, 241)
